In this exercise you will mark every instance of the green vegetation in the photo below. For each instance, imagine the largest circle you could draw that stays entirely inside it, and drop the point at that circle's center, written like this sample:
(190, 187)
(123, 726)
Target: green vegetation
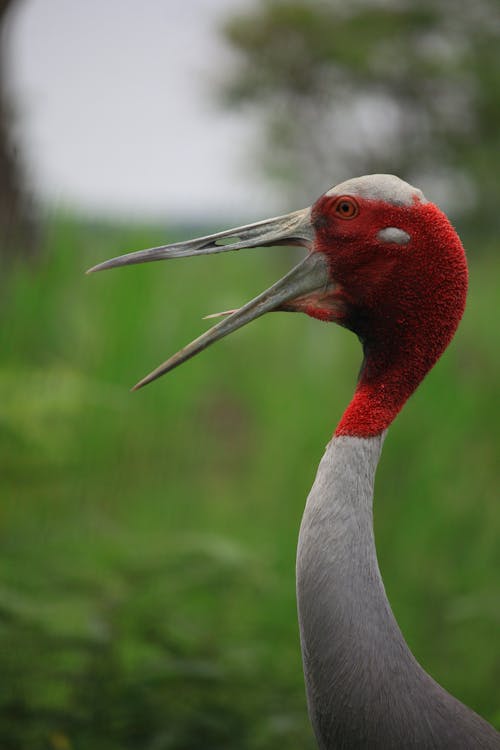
(148, 540)
(405, 87)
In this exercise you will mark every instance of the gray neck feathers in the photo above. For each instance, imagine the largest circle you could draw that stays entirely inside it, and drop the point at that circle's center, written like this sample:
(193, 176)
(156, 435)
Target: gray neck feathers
(364, 687)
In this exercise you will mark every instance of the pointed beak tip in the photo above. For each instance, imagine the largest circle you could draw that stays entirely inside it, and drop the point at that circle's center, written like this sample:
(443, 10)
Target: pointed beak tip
(96, 268)
(138, 385)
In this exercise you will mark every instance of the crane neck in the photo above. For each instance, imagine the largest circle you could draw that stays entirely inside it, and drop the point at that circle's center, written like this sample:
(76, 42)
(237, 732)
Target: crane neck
(344, 615)
(364, 686)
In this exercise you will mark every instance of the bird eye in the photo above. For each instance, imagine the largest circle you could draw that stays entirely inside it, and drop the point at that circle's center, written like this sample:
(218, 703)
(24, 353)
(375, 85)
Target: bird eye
(346, 207)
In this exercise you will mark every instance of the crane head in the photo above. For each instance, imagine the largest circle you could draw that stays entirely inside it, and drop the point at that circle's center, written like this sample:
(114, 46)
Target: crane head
(381, 260)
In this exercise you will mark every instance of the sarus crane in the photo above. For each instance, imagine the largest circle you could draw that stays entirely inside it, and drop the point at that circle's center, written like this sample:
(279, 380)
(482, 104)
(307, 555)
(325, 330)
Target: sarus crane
(387, 264)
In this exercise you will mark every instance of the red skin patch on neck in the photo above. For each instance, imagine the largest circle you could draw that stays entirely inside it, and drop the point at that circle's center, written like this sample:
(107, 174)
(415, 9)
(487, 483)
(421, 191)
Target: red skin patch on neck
(404, 301)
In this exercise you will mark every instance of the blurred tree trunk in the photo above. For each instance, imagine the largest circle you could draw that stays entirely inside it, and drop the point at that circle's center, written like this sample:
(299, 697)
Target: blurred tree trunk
(17, 231)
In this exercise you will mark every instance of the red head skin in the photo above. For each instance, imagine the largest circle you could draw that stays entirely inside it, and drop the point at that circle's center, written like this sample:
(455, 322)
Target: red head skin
(404, 301)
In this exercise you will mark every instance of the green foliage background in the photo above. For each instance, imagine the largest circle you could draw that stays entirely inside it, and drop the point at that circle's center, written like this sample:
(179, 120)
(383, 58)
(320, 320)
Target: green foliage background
(405, 87)
(148, 540)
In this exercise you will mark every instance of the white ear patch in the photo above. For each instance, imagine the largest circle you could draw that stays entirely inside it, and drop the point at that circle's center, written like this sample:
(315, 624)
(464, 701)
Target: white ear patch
(393, 234)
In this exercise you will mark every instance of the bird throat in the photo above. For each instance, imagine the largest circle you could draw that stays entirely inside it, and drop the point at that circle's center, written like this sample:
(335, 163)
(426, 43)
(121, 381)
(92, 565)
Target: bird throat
(394, 364)
(387, 379)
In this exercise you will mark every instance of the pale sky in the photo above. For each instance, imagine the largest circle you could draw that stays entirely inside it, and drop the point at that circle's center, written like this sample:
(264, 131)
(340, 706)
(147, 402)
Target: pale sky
(117, 110)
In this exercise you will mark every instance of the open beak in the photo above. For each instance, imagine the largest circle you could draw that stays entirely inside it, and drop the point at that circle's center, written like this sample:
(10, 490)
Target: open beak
(310, 275)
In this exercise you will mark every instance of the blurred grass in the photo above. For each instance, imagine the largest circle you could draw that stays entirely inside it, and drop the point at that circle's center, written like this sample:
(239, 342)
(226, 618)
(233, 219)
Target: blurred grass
(148, 540)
